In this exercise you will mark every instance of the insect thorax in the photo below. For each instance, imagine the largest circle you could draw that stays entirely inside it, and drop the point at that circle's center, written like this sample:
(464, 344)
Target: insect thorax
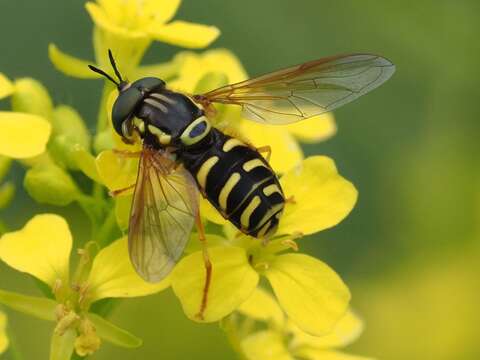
(166, 118)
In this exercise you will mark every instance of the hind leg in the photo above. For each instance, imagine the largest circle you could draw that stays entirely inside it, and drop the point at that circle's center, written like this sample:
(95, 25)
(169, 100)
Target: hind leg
(208, 266)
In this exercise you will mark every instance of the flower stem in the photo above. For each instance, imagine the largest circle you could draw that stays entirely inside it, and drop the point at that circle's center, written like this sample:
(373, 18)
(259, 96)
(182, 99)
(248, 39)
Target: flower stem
(13, 349)
(103, 236)
(229, 326)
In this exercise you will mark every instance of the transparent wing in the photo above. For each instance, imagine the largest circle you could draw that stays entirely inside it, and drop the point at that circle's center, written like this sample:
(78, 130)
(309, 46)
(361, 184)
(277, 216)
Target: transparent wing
(163, 212)
(303, 91)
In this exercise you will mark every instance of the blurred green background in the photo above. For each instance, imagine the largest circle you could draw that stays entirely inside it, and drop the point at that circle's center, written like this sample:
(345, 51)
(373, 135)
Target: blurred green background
(409, 250)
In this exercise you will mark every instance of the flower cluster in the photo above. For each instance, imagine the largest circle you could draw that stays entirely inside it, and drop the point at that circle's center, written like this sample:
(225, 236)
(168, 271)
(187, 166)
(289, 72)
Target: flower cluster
(308, 315)
(261, 331)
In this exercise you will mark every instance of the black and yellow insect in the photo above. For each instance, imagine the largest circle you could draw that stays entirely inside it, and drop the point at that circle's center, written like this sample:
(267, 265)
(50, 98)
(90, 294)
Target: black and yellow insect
(183, 153)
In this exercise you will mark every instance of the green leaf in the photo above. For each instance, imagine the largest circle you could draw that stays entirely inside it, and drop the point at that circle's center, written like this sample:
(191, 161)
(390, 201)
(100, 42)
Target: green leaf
(38, 307)
(61, 346)
(113, 334)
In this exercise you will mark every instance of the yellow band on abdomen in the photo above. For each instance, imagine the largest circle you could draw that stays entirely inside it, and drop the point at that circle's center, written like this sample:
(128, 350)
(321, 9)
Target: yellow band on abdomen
(205, 170)
(247, 213)
(227, 189)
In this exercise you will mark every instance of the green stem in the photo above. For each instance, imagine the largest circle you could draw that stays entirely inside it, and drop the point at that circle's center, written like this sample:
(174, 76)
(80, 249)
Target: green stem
(102, 119)
(85, 202)
(98, 192)
(229, 326)
(103, 236)
(13, 351)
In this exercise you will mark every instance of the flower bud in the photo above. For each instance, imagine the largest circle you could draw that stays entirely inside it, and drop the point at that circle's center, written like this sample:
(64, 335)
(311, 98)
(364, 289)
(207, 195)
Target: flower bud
(50, 184)
(6, 86)
(30, 96)
(67, 121)
(5, 163)
(7, 191)
(69, 135)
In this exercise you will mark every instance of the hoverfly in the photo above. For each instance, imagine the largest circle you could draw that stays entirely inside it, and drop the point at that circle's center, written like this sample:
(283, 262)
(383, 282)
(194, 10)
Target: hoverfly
(183, 154)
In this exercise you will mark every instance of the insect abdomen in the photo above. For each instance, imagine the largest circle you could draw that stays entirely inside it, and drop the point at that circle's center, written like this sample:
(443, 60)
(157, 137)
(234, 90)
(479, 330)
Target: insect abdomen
(240, 184)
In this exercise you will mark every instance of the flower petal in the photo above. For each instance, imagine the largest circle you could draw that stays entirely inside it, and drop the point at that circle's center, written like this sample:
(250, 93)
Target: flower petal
(310, 292)
(70, 65)
(318, 354)
(262, 306)
(194, 67)
(164, 10)
(6, 86)
(213, 240)
(185, 34)
(113, 276)
(265, 345)
(315, 129)
(233, 281)
(286, 153)
(3, 333)
(39, 307)
(209, 212)
(346, 331)
(103, 21)
(42, 248)
(322, 197)
(113, 334)
(23, 135)
(123, 205)
(117, 172)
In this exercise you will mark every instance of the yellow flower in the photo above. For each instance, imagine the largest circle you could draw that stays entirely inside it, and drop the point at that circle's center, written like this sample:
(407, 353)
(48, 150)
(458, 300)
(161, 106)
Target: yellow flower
(3, 333)
(151, 19)
(42, 249)
(23, 134)
(128, 27)
(284, 340)
(311, 293)
(322, 198)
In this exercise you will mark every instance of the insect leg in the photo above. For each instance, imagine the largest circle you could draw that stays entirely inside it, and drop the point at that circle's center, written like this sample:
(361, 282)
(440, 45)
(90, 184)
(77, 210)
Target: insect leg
(266, 149)
(208, 266)
(114, 193)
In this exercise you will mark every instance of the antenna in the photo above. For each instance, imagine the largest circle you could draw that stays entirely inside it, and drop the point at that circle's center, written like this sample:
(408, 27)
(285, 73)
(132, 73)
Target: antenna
(115, 69)
(103, 73)
(114, 65)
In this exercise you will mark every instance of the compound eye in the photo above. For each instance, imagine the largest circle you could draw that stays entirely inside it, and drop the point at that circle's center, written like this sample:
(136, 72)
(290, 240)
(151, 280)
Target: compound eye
(124, 107)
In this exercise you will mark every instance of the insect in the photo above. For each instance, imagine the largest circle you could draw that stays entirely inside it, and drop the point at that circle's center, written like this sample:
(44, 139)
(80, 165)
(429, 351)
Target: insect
(183, 154)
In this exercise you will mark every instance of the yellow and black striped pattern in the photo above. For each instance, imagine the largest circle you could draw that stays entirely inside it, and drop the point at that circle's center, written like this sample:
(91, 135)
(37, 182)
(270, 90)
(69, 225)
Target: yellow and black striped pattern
(240, 184)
